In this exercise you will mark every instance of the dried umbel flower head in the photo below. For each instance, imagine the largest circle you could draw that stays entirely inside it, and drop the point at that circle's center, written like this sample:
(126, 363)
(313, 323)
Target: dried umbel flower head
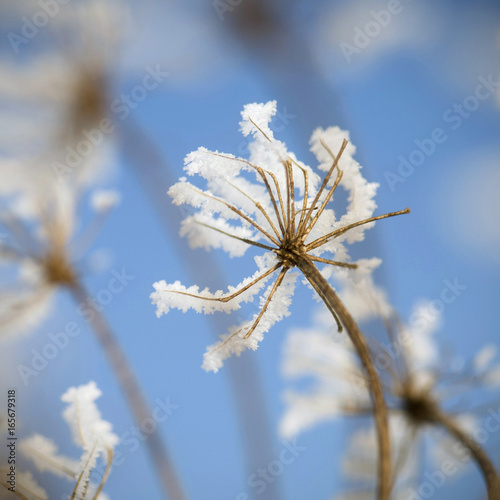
(275, 203)
(39, 218)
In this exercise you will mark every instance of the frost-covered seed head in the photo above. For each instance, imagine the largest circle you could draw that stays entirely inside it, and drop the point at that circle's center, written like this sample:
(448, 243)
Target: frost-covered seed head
(274, 202)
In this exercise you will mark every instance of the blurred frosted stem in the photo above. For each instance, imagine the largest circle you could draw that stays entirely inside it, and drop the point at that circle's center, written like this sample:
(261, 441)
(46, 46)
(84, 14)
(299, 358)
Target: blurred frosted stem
(335, 305)
(167, 475)
(485, 464)
(155, 177)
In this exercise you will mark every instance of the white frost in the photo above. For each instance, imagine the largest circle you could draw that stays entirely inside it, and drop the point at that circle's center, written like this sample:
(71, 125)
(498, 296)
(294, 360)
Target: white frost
(167, 296)
(234, 343)
(84, 419)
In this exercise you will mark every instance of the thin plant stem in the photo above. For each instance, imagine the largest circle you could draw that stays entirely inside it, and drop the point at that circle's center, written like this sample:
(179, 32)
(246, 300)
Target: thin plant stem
(262, 172)
(170, 482)
(323, 239)
(276, 285)
(82, 476)
(333, 301)
(244, 240)
(238, 212)
(481, 458)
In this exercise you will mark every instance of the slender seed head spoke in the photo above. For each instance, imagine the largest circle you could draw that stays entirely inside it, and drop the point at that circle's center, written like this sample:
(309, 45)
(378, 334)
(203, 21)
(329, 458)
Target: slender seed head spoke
(264, 307)
(227, 298)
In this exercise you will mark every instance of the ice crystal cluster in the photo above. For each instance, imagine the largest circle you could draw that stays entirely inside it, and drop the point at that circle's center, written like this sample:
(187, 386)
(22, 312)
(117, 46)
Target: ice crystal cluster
(267, 201)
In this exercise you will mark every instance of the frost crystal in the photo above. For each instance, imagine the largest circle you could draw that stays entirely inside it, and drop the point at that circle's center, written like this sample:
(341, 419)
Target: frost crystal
(88, 429)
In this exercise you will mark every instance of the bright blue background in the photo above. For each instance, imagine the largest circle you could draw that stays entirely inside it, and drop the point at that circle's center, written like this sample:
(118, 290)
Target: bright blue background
(392, 93)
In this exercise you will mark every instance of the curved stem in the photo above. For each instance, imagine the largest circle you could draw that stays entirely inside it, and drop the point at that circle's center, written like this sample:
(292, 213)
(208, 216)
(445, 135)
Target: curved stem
(483, 461)
(170, 482)
(333, 301)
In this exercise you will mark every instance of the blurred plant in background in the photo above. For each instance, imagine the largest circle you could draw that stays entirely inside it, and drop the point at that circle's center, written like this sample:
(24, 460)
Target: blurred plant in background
(56, 99)
(44, 184)
(420, 392)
